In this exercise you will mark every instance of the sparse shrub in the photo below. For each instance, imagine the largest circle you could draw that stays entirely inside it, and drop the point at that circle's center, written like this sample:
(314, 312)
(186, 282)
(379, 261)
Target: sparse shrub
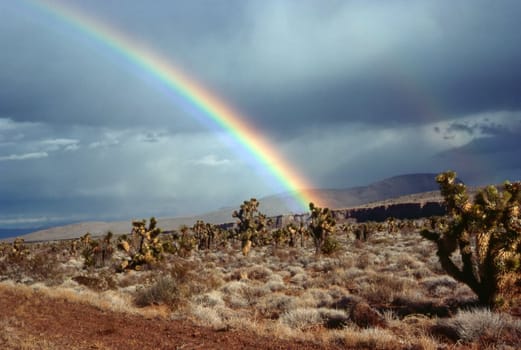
(29, 265)
(369, 339)
(330, 246)
(100, 282)
(165, 290)
(272, 305)
(176, 285)
(259, 273)
(482, 326)
(363, 315)
(487, 235)
(363, 261)
(302, 318)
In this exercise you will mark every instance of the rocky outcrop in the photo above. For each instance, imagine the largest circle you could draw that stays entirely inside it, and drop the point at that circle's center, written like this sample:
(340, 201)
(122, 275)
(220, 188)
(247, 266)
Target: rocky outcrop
(376, 213)
(398, 211)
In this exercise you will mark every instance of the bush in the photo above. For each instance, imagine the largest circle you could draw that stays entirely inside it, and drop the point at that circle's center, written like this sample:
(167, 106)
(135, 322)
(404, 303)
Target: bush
(165, 291)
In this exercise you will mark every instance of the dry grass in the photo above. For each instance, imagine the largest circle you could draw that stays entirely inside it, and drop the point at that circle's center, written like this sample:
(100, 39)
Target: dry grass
(14, 336)
(481, 326)
(293, 294)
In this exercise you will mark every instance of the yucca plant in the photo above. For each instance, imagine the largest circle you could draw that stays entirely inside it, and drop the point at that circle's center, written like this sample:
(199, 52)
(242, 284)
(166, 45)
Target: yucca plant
(143, 247)
(321, 225)
(252, 226)
(485, 233)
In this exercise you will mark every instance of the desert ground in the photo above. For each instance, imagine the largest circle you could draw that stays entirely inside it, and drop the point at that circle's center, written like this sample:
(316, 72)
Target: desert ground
(386, 292)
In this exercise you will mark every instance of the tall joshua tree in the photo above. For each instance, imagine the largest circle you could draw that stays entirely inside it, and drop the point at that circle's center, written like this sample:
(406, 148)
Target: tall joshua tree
(486, 234)
(251, 224)
(321, 226)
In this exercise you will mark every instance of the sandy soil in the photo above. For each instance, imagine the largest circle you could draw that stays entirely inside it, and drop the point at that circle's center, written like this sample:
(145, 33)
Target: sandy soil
(35, 321)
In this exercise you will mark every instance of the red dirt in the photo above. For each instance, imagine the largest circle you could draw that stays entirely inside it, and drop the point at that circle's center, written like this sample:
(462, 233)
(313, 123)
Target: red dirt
(53, 323)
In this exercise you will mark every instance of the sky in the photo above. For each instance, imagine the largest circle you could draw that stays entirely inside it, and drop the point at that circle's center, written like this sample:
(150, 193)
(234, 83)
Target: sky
(347, 92)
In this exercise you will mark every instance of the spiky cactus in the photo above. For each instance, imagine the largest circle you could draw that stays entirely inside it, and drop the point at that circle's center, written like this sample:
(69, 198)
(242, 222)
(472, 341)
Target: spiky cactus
(251, 225)
(143, 247)
(321, 226)
(486, 233)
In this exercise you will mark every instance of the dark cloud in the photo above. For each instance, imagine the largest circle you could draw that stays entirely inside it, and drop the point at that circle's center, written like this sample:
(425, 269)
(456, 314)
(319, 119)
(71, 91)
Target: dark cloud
(348, 91)
(280, 62)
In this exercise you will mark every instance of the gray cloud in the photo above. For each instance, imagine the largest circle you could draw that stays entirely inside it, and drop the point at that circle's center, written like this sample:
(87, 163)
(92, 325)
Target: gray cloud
(347, 91)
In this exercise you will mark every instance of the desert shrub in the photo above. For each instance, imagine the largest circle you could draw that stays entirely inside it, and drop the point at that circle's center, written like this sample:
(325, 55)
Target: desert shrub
(210, 299)
(214, 317)
(381, 289)
(259, 273)
(274, 304)
(330, 246)
(371, 338)
(363, 261)
(364, 316)
(302, 318)
(275, 283)
(32, 265)
(99, 282)
(482, 326)
(177, 284)
(165, 291)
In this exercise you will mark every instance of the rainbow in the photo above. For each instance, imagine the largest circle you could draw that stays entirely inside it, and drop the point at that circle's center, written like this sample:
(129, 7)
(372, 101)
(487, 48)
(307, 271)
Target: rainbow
(163, 71)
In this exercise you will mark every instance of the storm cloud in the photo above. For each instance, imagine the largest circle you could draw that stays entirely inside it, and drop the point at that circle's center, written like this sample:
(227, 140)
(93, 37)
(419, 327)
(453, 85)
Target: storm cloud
(347, 91)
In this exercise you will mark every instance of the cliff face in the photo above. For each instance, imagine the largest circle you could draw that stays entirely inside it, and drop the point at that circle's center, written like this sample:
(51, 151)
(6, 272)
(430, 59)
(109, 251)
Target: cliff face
(377, 213)
(398, 211)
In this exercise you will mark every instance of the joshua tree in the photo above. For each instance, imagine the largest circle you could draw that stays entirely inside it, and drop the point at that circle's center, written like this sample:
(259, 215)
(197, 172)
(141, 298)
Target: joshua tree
(251, 225)
(291, 232)
(361, 232)
(487, 235)
(18, 249)
(279, 236)
(391, 225)
(97, 252)
(205, 234)
(143, 246)
(321, 226)
(184, 242)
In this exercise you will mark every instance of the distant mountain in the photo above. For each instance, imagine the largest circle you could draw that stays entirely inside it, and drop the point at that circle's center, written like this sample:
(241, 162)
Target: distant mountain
(15, 232)
(394, 187)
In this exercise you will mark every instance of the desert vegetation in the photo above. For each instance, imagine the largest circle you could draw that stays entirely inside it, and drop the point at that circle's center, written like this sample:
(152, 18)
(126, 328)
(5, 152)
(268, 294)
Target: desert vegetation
(431, 283)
